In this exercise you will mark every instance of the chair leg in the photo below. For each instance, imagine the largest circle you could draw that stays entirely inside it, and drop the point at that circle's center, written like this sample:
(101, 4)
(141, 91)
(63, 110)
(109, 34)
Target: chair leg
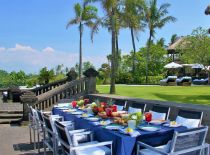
(38, 137)
(30, 134)
(34, 139)
(44, 145)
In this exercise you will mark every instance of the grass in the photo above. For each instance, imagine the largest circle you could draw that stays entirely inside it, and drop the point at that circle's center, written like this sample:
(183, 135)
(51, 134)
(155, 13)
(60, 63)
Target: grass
(180, 94)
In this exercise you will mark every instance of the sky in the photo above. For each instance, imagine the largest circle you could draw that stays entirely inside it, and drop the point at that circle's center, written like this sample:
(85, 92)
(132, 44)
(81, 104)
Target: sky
(33, 33)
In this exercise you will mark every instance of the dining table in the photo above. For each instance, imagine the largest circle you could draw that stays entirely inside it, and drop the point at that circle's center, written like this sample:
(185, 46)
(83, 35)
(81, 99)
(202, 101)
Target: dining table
(123, 144)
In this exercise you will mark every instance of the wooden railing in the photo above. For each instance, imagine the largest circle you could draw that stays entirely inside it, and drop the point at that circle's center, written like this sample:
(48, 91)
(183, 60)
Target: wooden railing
(71, 89)
(45, 88)
(51, 95)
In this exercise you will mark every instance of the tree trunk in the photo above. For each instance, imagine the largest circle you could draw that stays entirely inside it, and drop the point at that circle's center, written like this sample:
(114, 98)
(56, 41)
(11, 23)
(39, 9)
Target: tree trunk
(117, 52)
(80, 51)
(134, 51)
(147, 58)
(113, 74)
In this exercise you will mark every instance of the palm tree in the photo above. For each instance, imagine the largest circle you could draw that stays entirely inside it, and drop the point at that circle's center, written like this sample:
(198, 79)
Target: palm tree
(133, 19)
(173, 38)
(156, 18)
(85, 16)
(161, 42)
(110, 21)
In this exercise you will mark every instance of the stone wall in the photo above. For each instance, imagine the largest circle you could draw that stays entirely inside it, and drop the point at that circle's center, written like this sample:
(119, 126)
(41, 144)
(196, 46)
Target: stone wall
(173, 105)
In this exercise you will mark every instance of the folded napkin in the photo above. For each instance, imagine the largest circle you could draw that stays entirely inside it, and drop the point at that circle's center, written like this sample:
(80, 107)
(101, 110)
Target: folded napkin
(135, 133)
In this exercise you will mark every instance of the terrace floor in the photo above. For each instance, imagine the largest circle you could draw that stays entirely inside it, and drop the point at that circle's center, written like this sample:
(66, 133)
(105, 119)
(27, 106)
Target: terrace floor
(15, 140)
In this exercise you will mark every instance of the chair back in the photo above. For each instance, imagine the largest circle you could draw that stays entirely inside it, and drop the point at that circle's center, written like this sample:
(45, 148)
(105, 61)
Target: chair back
(135, 104)
(39, 113)
(161, 109)
(189, 141)
(63, 136)
(48, 125)
(190, 114)
(121, 103)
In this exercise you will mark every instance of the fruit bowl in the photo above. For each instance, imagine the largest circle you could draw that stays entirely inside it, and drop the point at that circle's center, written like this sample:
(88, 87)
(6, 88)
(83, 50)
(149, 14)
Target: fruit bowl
(102, 115)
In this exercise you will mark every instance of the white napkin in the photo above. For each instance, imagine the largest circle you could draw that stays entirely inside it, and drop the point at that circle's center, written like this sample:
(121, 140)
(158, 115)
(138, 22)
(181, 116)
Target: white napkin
(132, 134)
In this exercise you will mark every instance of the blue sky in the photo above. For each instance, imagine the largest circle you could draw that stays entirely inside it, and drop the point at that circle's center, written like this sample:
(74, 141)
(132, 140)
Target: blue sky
(33, 33)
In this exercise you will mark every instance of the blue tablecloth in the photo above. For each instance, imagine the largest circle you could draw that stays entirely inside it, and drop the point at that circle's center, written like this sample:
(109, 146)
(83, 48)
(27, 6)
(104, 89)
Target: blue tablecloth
(122, 144)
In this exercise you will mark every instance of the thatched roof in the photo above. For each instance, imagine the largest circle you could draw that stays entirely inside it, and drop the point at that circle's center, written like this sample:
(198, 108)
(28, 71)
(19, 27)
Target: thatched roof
(175, 46)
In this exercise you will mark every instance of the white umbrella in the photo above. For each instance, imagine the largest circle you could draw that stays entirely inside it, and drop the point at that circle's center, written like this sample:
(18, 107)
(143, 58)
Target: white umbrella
(173, 65)
(197, 66)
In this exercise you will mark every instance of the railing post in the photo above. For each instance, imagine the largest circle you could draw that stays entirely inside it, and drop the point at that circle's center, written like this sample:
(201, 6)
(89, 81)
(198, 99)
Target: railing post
(28, 98)
(91, 83)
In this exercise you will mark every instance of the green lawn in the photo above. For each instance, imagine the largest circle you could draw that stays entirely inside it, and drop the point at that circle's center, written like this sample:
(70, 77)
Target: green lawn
(181, 94)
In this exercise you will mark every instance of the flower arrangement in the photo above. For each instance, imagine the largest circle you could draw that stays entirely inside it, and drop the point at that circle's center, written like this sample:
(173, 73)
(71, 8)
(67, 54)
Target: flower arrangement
(136, 116)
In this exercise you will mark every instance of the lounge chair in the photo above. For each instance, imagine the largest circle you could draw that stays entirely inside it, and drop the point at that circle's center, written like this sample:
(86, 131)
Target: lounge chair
(169, 81)
(184, 81)
(200, 81)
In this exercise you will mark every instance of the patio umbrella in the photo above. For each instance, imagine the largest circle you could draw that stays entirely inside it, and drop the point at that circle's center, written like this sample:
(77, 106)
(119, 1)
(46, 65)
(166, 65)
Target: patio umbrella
(197, 66)
(173, 65)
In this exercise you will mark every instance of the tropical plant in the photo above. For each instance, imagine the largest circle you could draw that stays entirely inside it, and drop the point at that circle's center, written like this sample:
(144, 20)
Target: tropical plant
(111, 22)
(85, 16)
(87, 65)
(104, 73)
(161, 42)
(156, 18)
(133, 19)
(195, 48)
(173, 38)
(45, 75)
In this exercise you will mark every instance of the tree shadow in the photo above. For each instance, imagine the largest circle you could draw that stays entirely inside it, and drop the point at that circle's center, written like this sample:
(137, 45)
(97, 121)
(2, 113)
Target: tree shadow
(28, 149)
(195, 99)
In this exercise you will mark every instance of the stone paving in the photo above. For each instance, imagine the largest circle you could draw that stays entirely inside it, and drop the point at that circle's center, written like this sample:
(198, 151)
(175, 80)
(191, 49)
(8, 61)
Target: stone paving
(15, 141)
(11, 107)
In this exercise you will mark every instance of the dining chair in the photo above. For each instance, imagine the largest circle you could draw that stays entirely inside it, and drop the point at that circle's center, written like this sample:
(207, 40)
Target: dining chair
(191, 141)
(121, 104)
(31, 121)
(160, 112)
(71, 146)
(41, 126)
(189, 118)
(133, 106)
(33, 124)
(50, 140)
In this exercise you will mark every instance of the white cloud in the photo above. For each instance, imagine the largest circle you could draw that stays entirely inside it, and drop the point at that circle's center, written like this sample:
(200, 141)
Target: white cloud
(2, 49)
(21, 48)
(48, 50)
(36, 59)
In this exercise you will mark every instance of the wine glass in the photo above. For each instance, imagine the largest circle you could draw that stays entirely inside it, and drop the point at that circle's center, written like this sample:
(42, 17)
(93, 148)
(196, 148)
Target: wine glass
(148, 117)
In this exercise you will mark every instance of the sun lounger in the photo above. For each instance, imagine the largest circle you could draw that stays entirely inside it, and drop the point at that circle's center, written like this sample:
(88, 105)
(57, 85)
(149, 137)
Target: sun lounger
(169, 81)
(200, 81)
(184, 81)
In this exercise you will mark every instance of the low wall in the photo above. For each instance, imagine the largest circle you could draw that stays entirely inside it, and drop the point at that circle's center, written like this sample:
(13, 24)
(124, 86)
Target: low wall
(173, 105)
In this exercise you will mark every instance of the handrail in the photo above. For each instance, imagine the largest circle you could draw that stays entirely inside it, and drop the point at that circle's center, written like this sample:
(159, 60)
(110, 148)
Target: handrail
(49, 86)
(71, 89)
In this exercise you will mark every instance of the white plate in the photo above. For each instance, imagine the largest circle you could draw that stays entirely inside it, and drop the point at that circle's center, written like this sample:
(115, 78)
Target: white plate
(77, 113)
(172, 126)
(149, 128)
(63, 108)
(113, 127)
(94, 119)
(158, 122)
